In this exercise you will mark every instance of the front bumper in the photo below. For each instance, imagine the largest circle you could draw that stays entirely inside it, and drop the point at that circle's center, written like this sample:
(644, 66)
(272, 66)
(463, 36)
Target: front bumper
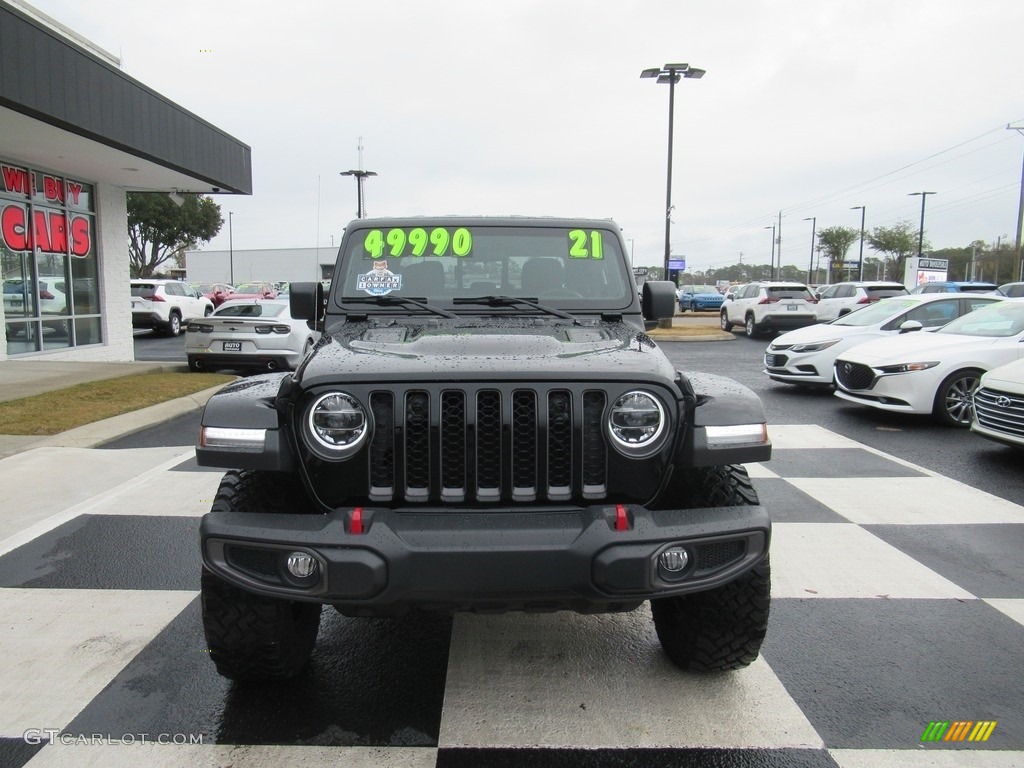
(587, 559)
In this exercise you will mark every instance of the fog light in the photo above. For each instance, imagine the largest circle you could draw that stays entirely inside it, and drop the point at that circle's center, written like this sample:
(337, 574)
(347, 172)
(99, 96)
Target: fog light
(674, 560)
(301, 565)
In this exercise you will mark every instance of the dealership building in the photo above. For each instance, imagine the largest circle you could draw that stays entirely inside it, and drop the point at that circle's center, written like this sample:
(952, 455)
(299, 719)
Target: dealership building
(76, 135)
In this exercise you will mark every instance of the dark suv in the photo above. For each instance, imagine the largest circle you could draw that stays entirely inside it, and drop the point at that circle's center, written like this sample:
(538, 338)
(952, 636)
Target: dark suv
(484, 426)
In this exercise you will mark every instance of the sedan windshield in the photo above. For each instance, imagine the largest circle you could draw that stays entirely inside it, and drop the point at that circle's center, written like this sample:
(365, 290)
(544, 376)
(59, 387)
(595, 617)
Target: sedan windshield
(873, 314)
(1002, 319)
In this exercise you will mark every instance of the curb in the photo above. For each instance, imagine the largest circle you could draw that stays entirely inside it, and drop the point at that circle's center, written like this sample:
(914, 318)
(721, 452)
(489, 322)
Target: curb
(99, 432)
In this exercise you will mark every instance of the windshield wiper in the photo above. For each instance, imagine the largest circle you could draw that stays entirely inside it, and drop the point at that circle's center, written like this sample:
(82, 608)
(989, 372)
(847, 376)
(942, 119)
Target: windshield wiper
(384, 301)
(508, 301)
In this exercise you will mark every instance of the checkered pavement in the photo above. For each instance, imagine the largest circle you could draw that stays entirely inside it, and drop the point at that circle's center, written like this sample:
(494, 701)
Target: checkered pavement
(898, 600)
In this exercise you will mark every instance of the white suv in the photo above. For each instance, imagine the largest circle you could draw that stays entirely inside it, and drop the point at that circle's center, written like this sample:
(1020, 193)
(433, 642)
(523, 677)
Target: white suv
(164, 305)
(842, 298)
(769, 306)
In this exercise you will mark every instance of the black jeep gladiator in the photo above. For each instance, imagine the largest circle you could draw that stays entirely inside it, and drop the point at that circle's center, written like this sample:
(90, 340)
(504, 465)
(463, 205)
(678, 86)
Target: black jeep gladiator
(484, 425)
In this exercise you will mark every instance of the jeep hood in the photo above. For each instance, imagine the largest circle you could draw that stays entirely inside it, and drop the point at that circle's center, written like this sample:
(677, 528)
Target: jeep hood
(437, 351)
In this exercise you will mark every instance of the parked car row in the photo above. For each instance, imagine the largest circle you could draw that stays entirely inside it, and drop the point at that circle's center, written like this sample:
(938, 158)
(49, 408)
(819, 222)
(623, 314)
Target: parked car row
(957, 356)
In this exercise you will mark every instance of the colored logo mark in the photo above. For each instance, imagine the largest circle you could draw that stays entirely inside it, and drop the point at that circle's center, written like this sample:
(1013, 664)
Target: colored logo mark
(958, 730)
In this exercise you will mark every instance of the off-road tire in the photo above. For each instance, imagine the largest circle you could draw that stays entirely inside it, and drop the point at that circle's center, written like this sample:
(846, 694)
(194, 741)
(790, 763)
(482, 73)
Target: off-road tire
(726, 325)
(953, 398)
(722, 628)
(251, 637)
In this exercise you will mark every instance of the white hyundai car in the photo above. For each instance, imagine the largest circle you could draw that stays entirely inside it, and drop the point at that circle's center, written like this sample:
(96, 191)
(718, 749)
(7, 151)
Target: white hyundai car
(806, 356)
(933, 373)
(999, 405)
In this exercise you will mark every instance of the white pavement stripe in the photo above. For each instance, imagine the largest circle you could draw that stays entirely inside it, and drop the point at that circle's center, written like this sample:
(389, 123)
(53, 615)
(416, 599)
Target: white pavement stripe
(909, 501)
(98, 484)
(842, 560)
(960, 756)
(58, 755)
(786, 436)
(571, 680)
(63, 646)
(1013, 608)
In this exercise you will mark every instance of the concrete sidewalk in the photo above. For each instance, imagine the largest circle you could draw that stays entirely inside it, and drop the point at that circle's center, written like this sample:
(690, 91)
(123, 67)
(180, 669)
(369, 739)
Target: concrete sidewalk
(24, 378)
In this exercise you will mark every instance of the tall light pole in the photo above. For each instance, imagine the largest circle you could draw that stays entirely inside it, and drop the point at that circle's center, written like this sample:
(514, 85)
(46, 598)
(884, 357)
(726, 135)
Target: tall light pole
(863, 210)
(360, 176)
(671, 74)
(920, 232)
(814, 226)
(231, 249)
(772, 228)
(1018, 271)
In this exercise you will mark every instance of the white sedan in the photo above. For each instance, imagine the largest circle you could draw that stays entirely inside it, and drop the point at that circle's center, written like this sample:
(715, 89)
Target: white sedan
(806, 356)
(999, 405)
(933, 373)
(248, 333)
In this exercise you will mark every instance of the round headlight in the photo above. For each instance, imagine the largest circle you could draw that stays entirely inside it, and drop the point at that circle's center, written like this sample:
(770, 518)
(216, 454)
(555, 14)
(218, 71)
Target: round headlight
(338, 423)
(636, 422)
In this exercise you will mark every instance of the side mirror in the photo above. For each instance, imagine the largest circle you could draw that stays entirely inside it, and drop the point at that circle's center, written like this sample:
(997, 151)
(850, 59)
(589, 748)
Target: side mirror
(909, 326)
(306, 302)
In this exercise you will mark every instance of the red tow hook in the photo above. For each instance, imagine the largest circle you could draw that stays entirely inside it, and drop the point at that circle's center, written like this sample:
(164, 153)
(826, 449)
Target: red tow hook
(621, 518)
(356, 526)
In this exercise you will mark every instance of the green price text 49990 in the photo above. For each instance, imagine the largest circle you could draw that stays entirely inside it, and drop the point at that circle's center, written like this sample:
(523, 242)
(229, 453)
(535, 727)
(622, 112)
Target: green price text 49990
(418, 241)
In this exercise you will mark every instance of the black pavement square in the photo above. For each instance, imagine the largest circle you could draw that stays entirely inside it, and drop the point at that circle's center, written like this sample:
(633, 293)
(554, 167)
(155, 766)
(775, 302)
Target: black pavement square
(372, 682)
(983, 559)
(15, 753)
(871, 674)
(788, 504)
(109, 552)
(466, 757)
(836, 462)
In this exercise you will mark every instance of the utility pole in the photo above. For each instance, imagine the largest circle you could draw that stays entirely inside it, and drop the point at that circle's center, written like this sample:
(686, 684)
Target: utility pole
(780, 250)
(1018, 271)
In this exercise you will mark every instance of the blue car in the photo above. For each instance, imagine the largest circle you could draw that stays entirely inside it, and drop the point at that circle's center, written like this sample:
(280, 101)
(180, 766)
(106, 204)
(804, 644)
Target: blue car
(699, 297)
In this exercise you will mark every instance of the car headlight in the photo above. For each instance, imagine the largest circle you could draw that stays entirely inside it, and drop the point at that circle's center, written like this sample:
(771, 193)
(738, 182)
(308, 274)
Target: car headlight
(636, 424)
(816, 346)
(336, 425)
(906, 367)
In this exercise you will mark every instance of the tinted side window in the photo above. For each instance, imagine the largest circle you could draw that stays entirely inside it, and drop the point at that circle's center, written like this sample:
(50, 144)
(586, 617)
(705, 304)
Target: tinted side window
(934, 314)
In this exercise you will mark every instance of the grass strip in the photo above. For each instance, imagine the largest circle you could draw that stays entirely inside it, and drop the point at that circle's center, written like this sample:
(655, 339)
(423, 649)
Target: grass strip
(63, 409)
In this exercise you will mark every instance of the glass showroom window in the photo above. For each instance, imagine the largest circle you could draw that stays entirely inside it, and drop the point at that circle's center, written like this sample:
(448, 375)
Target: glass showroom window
(48, 261)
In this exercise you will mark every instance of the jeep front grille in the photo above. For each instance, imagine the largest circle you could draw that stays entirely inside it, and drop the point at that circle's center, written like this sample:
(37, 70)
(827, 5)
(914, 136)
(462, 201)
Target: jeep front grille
(488, 445)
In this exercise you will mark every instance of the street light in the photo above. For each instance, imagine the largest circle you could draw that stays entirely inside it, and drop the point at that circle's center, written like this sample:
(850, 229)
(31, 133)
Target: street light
(863, 210)
(671, 74)
(231, 249)
(360, 176)
(772, 228)
(920, 233)
(810, 266)
(1018, 270)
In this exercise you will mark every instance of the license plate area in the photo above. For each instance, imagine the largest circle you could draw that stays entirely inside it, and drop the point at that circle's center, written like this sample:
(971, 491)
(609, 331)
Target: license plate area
(232, 346)
(792, 307)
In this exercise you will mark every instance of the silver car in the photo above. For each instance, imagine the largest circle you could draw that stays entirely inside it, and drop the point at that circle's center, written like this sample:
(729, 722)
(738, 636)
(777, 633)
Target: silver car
(248, 333)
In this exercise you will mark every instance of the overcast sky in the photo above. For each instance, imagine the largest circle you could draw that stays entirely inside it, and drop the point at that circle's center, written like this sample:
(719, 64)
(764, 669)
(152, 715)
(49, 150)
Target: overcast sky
(536, 107)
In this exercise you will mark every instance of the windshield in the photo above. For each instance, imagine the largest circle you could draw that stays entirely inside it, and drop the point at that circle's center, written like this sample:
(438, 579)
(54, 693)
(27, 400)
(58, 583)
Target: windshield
(700, 289)
(1002, 319)
(438, 263)
(878, 312)
(249, 288)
